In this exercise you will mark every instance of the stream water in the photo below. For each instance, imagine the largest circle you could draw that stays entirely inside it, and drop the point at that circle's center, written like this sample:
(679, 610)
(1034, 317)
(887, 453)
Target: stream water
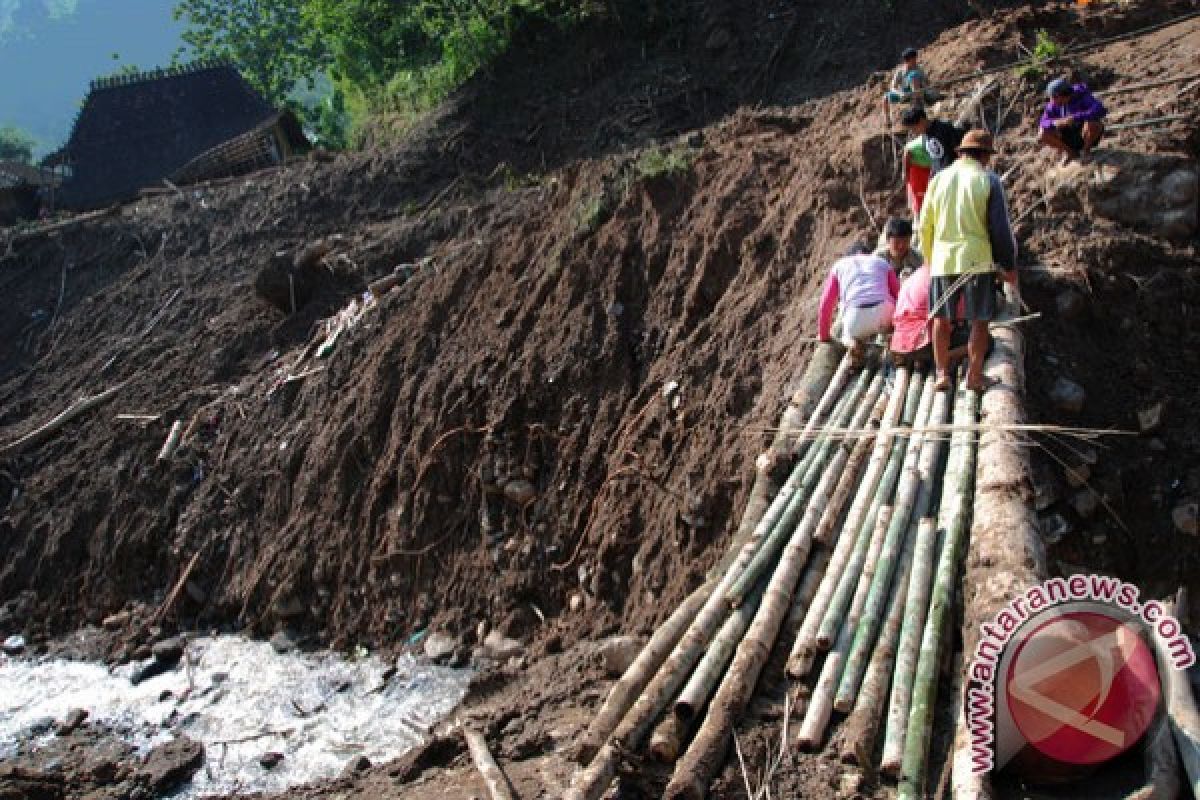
(241, 699)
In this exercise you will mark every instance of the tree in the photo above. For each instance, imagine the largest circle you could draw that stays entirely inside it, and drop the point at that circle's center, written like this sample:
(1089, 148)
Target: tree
(16, 144)
(267, 39)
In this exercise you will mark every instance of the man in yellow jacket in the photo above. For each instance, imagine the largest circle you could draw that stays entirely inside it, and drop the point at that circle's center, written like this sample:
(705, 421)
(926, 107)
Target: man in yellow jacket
(967, 237)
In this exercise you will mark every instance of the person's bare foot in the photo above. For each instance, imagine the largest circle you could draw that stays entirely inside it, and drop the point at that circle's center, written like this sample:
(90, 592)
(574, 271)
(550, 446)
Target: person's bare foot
(943, 381)
(982, 383)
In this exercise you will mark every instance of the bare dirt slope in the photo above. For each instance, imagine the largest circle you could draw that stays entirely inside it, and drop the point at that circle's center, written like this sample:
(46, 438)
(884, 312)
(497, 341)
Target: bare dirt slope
(560, 284)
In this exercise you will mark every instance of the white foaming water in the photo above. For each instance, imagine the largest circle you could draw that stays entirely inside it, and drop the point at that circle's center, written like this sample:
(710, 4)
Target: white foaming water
(318, 710)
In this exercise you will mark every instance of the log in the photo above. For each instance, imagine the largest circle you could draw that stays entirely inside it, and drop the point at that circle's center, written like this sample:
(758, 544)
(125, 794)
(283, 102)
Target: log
(1006, 554)
(952, 523)
(1181, 706)
(913, 495)
(862, 726)
(493, 777)
(804, 648)
(172, 442)
(74, 410)
(916, 605)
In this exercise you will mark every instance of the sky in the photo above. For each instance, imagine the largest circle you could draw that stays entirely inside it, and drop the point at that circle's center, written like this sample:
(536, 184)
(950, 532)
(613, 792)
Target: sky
(50, 50)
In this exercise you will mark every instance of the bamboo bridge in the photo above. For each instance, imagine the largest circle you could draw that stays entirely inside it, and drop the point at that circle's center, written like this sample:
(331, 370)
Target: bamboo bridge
(853, 559)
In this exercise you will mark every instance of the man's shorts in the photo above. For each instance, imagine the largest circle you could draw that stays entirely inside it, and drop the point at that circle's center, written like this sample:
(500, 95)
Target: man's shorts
(1072, 136)
(860, 324)
(973, 300)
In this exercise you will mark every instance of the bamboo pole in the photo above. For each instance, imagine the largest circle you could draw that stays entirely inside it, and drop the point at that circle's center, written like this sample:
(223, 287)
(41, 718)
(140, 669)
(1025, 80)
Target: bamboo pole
(824, 376)
(639, 673)
(916, 605)
(1141, 123)
(1147, 85)
(172, 442)
(854, 408)
(805, 648)
(913, 495)
(858, 735)
(920, 393)
(74, 410)
(717, 658)
(493, 777)
(952, 521)
(848, 480)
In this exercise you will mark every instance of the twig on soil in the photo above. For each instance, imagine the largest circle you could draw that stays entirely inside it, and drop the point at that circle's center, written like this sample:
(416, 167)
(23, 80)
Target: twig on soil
(138, 417)
(283, 732)
(173, 597)
(77, 408)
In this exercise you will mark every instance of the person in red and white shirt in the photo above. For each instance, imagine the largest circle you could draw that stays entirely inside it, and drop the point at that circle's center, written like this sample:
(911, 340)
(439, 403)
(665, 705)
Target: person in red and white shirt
(864, 286)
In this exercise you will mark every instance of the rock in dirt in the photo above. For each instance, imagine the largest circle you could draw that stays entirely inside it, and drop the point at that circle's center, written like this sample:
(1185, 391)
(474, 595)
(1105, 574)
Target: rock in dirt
(1068, 396)
(1085, 503)
(1054, 528)
(1151, 419)
(150, 669)
(1071, 305)
(520, 492)
(282, 643)
(499, 647)
(439, 646)
(170, 765)
(270, 760)
(72, 721)
(618, 652)
(14, 645)
(169, 651)
(1186, 518)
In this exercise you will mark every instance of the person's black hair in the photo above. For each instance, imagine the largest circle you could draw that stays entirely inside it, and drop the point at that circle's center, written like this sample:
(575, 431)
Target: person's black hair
(912, 116)
(857, 248)
(897, 226)
(909, 52)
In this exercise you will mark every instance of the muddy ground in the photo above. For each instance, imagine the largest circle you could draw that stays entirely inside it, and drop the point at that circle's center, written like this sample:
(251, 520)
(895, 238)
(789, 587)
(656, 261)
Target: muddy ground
(490, 447)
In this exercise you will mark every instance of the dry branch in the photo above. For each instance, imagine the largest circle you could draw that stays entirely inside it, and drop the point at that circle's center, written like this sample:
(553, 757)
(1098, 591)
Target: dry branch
(74, 410)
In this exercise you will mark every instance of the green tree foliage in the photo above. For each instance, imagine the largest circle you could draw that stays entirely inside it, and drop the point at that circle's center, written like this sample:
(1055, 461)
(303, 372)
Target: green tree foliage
(382, 55)
(16, 145)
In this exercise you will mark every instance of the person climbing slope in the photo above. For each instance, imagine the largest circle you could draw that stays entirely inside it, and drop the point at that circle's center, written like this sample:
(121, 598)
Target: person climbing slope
(864, 286)
(910, 344)
(895, 247)
(966, 233)
(910, 84)
(1073, 120)
(931, 149)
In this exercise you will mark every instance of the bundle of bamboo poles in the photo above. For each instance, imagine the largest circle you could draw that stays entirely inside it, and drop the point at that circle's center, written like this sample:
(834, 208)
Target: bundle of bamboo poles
(843, 547)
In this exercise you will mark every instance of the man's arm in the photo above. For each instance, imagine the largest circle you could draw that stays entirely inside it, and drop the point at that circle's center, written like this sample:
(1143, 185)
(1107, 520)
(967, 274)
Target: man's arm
(1047, 122)
(1004, 244)
(829, 300)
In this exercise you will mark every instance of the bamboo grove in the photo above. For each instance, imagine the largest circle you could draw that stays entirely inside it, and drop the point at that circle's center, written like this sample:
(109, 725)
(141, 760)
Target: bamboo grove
(848, 566)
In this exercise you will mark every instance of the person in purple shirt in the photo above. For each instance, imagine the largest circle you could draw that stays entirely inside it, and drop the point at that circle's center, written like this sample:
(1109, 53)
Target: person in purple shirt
(1073, 120)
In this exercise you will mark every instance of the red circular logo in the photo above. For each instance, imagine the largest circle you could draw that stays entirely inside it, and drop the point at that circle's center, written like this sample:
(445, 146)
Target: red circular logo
(1083, 687)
